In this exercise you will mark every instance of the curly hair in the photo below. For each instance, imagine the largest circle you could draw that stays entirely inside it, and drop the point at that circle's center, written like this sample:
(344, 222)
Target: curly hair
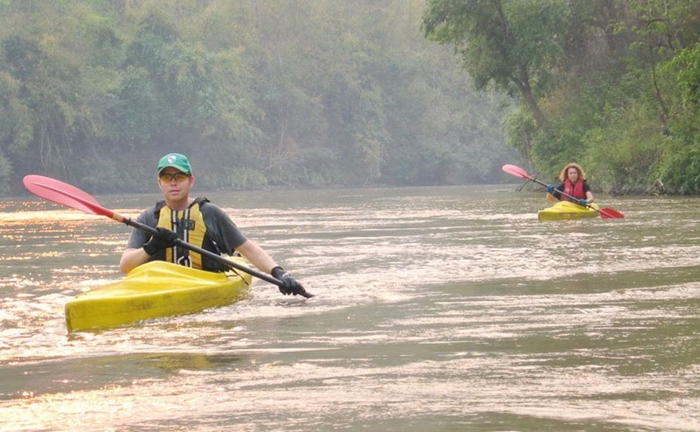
(565, 170)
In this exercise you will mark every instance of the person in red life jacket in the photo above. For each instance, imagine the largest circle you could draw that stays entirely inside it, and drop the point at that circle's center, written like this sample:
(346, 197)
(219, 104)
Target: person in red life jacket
(574, 184)
(195, 221)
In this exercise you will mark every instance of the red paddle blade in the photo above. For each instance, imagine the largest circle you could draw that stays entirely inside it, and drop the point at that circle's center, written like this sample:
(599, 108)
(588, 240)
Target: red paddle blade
(608, 213)
(62, 193)
(516, 171)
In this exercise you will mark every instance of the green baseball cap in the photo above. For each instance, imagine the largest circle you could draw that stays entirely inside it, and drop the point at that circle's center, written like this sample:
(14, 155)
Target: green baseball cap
(175, 160)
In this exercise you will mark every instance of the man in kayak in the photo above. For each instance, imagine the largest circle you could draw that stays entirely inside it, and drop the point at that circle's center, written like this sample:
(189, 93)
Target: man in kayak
(574, 184)
(195, 221)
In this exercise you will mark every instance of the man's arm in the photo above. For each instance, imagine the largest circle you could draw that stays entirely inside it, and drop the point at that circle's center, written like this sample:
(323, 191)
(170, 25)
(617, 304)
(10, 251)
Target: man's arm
(134, 255)
(256, 256)
(132, 258)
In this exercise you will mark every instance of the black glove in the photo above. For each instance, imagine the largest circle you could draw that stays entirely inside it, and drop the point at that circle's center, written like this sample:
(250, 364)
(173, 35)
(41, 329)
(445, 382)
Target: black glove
(163, 239)
(289, 285)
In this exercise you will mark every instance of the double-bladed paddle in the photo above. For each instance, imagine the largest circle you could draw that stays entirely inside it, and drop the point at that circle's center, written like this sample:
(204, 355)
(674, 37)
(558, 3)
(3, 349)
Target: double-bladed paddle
(605, 213)
(70, 196)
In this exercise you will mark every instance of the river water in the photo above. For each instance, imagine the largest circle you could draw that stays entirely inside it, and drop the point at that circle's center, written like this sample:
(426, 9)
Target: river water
(436, 309)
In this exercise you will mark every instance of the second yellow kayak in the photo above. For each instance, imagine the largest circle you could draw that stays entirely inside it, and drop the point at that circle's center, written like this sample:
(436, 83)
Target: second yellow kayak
(566, 210)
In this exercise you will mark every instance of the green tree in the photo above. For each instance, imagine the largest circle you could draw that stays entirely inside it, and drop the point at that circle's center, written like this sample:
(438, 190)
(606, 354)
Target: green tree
(512, 44)
(258, 93)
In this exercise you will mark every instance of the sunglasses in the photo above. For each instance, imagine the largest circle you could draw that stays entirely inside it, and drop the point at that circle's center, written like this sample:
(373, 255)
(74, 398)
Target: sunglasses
(178, 177)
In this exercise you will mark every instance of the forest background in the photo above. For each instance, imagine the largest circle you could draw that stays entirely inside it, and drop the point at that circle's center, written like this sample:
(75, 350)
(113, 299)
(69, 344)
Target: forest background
(298, 93)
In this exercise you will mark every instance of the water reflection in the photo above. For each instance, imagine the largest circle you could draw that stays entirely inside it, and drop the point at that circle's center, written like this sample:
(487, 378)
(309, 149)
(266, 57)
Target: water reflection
(436, 309)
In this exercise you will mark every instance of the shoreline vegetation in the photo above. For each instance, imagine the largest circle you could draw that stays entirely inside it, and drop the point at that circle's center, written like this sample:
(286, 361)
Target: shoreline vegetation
(317, 93)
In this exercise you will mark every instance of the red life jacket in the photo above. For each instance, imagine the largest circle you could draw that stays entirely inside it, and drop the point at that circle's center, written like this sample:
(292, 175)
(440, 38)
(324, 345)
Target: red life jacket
(575, 190)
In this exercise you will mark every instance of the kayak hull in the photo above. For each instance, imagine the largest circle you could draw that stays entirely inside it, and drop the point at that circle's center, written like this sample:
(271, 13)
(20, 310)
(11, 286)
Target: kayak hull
(566, 210)
(153, 290)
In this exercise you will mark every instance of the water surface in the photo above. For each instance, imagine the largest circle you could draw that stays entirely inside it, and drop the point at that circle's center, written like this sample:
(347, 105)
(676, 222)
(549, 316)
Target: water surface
(437, 309)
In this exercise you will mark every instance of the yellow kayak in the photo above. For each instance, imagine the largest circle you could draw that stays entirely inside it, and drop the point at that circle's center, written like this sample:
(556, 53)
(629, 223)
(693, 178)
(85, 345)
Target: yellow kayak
(153, 290)
(566, 210)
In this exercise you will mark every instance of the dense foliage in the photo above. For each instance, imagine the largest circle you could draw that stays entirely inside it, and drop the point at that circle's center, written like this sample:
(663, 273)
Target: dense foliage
(257, 93)
(612, 84)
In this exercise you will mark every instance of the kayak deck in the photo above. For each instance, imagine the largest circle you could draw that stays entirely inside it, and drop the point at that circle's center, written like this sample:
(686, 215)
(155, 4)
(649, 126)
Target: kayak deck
(566, 210)
(153, 290)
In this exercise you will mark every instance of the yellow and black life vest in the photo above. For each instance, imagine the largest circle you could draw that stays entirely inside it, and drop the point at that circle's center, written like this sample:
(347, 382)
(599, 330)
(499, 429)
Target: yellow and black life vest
(189, 226)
